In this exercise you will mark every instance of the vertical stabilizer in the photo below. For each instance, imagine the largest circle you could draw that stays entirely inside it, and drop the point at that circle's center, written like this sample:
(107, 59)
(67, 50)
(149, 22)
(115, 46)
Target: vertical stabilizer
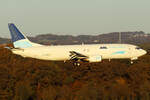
(19, 40)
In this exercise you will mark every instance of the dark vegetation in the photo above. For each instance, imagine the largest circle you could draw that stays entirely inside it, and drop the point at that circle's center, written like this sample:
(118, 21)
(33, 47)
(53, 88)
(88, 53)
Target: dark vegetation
(31, 79)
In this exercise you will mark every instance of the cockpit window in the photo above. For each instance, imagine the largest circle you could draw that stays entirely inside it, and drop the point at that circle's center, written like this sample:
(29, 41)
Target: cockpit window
(103, 47)
(138, 48)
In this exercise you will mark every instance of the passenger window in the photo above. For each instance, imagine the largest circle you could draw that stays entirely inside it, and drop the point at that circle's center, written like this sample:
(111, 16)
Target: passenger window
(103, 47)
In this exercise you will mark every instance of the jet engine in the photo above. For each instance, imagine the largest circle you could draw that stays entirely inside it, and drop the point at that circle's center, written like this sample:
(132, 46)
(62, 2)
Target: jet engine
(95, 58)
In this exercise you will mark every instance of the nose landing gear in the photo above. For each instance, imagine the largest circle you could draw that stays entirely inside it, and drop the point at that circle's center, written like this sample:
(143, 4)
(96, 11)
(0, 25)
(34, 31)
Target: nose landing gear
(133, 59)
(131, 62)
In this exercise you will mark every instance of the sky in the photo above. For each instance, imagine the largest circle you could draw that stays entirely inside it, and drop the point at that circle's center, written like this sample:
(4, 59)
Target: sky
(74, 17)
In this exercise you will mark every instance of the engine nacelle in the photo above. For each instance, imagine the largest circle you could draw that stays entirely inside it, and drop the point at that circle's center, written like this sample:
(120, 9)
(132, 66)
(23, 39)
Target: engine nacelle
(95, 58)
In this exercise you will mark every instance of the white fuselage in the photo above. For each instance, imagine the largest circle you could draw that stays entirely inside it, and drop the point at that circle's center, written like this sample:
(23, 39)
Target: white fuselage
(62, 53)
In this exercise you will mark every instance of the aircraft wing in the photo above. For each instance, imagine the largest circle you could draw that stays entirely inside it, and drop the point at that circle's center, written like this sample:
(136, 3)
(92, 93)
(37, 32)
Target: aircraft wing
(77, 56)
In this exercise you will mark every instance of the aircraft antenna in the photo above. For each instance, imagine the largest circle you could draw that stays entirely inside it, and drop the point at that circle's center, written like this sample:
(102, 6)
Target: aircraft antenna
(82, 43)
(120, 37)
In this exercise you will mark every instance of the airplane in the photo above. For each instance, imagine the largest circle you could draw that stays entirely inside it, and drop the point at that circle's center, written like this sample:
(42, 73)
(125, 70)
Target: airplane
(76, 53)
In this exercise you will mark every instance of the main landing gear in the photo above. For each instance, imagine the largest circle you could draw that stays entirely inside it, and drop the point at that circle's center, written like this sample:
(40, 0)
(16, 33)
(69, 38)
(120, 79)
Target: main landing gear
(76, 64)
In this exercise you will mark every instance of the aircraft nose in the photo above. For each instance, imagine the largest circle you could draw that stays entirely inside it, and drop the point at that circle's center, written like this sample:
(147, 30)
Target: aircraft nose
(143, 52)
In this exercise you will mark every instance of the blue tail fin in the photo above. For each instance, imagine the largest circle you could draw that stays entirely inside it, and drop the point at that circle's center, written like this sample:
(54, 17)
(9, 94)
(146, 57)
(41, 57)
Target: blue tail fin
(15, 33)
(19, 40)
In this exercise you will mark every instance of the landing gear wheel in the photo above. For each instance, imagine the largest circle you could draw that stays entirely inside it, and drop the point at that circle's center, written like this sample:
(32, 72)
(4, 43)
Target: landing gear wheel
(76, 64)
(131, 62)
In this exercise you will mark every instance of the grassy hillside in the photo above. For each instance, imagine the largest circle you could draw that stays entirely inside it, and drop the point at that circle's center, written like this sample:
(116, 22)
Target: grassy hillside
(31, 79)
